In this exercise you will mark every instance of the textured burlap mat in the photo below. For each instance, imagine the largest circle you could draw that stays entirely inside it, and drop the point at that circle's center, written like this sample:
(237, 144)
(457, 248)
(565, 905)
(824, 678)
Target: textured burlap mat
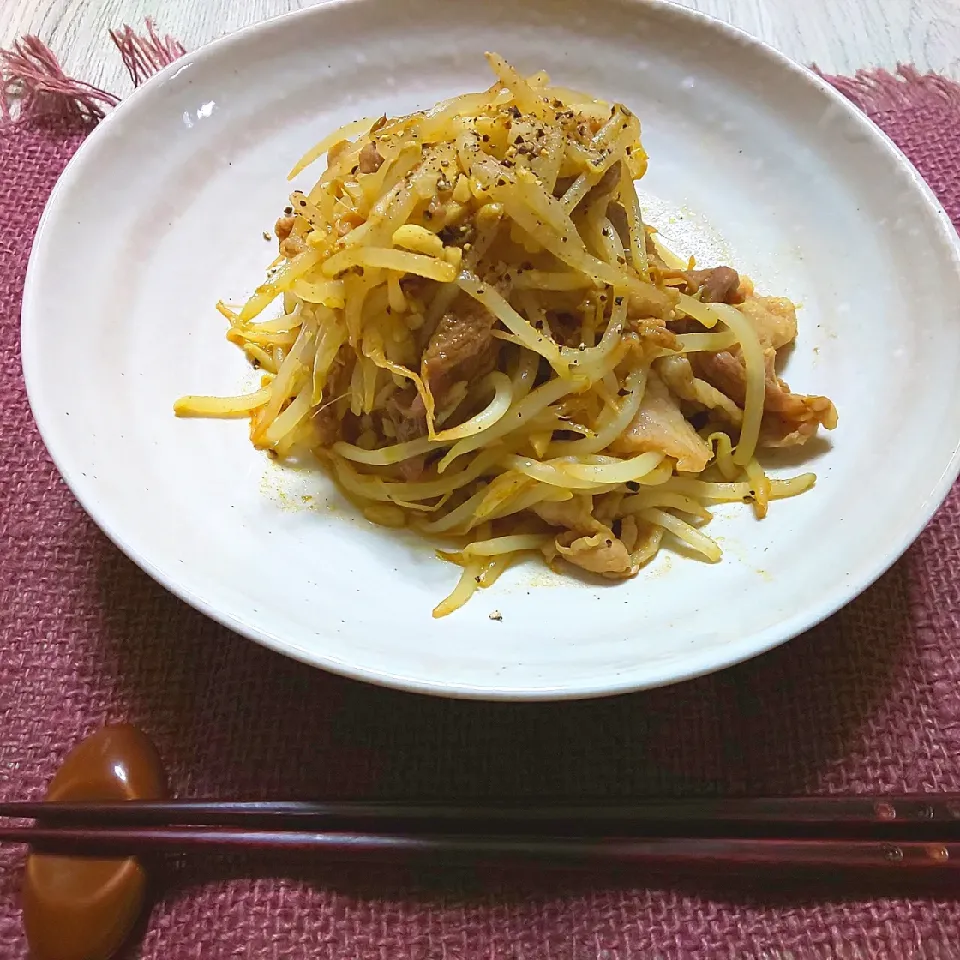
(869, 701)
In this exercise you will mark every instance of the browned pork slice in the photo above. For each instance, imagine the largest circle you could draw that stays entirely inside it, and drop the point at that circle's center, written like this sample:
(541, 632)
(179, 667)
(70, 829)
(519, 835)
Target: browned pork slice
(370, 159)
(774, 319)
(650, 338)
(462, 348)
(404, 408)
(574, 514)
(600, 552)
(290, 244)
(716, 285)
(284, 226)
(406, 412)
(660, 426)
(585, 541)
(788, 418)
(650, 301)
(677, 374)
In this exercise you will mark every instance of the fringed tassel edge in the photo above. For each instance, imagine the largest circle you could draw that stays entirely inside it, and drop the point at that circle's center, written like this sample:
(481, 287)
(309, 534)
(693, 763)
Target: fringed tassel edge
(145, 54)
(878, 91)
(34, 86)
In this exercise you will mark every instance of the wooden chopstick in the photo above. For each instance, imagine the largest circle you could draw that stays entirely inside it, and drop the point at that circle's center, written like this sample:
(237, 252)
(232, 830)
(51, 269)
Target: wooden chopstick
(917, 816)
(924, 858)
(916, 834)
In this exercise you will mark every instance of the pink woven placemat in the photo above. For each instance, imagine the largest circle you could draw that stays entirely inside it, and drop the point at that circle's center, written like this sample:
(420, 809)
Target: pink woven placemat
(868, 701)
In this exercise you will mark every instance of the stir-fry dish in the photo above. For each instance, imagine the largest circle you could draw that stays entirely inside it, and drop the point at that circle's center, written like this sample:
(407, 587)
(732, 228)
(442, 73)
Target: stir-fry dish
(483, 342)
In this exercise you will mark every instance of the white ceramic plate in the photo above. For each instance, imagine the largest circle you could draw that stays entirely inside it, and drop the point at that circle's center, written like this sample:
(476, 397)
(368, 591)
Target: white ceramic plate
(753, 161)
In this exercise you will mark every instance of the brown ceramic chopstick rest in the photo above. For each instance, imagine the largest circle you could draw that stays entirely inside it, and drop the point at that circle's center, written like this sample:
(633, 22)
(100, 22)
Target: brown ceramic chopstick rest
(83, 908)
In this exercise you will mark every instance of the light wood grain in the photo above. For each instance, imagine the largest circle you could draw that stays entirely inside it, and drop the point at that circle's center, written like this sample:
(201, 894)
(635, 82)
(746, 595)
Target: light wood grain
(839, 35)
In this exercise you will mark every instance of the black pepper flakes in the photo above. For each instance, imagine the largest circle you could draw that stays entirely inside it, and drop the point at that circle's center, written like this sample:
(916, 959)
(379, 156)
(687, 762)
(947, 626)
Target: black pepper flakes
(486, 138)
(618, 300)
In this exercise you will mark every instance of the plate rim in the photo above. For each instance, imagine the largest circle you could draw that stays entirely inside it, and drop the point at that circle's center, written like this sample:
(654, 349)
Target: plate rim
(656, 676)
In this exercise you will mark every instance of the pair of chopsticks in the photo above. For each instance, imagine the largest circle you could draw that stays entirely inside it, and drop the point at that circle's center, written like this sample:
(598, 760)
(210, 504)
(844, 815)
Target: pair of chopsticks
(919, 834)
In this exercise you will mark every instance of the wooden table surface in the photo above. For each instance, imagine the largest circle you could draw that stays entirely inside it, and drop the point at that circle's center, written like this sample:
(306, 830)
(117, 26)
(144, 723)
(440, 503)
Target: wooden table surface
(839, 35)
